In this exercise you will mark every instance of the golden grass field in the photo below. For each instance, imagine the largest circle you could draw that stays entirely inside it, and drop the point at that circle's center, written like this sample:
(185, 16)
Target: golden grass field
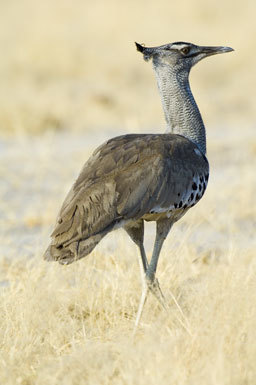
(71, 78)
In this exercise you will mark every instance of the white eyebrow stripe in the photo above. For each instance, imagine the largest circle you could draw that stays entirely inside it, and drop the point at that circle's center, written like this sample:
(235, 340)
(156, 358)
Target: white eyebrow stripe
(179, 46)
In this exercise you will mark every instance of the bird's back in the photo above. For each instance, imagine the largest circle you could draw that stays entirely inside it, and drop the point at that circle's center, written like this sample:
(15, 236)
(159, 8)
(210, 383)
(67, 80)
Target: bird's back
(127, 178)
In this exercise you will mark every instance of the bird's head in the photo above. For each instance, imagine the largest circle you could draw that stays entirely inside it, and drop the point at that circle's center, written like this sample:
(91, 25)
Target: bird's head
(179, 55)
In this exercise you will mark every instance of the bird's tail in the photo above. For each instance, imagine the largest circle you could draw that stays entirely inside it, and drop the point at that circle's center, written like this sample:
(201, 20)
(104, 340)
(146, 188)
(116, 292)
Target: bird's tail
(74, 251)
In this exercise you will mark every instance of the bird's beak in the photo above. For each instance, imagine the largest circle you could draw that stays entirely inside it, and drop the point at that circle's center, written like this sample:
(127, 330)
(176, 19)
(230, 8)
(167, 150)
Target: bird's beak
(208, 51)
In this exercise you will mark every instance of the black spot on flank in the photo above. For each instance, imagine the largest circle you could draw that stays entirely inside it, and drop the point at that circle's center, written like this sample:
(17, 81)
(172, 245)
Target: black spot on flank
(194, 186)
(197, 197)
(185, 206)
(191, 197)
(201, 179)
(204, 186)
(178, 194)
(175, 205)
(206, 177)
(180, 204)
(192, 205)
(200, 187)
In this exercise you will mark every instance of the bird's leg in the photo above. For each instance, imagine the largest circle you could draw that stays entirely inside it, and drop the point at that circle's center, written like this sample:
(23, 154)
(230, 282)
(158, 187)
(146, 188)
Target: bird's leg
(143, 263)
(148, 270)
(136, 232)
(162, 229)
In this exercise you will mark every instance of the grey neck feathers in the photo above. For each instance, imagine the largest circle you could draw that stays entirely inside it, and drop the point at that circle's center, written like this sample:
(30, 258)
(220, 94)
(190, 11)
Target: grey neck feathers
(181, 112)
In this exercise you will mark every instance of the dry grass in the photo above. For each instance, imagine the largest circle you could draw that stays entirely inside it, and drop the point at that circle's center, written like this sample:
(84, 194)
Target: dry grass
(73, 325)
(69, 73)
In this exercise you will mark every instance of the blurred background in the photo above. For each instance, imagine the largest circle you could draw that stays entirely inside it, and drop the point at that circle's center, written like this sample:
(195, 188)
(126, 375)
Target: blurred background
(72, 65)
(70, 77)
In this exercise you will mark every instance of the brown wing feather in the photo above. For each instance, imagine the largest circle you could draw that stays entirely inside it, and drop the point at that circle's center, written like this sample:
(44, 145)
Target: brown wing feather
(124, 178)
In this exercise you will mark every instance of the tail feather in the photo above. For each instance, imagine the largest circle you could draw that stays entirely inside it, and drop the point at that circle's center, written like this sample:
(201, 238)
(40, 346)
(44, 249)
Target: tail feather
(74, 251)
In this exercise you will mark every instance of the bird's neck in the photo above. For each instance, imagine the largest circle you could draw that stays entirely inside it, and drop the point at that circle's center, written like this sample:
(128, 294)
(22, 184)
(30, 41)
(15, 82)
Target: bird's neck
(181, 112)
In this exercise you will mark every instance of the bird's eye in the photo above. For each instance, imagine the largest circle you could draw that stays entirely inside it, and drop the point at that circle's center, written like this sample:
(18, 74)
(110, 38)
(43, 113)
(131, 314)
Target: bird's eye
(185, 50)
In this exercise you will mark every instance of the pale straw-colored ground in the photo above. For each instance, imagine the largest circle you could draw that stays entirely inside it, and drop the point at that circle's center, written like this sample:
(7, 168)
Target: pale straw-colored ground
(73, 325)
(70, 76)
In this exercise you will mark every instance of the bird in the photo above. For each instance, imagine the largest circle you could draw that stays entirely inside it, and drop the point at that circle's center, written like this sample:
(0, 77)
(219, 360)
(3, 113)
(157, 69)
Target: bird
(134, 178)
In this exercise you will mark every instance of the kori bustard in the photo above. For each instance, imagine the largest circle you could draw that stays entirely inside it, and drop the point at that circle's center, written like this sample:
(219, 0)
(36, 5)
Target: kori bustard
(151, 177)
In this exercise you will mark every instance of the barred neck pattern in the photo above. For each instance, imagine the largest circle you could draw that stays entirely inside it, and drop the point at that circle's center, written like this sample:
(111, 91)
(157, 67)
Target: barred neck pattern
(181, 111)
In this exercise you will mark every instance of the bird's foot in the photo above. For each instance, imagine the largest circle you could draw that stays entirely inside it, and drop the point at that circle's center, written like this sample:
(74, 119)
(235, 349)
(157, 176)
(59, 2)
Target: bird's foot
(154, 287)
(151, 284)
